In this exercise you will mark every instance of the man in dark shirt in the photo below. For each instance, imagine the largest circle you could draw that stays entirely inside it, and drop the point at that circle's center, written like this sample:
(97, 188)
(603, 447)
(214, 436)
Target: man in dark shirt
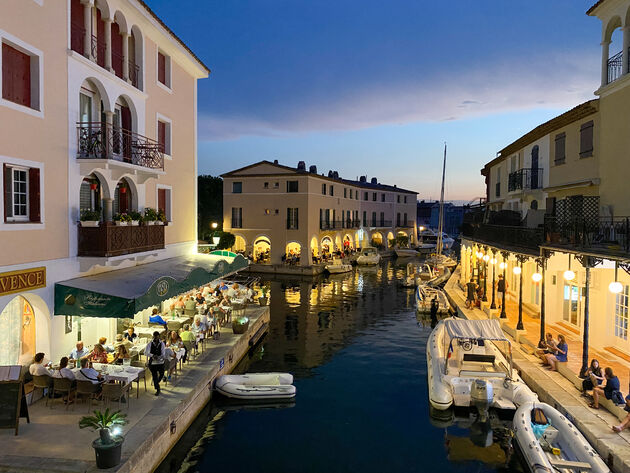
(471, 291)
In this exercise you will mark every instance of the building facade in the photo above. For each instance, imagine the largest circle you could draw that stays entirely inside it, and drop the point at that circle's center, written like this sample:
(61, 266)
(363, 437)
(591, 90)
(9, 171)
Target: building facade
(99, 115)
(278, 210)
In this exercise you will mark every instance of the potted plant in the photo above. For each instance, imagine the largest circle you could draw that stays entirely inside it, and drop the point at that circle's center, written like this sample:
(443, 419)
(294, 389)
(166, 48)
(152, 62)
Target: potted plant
(122, 219)
(136, 218)
(90, 218)
(240, 325)
(161, 218)
(108, 447)
(262, 300)
(150, 216)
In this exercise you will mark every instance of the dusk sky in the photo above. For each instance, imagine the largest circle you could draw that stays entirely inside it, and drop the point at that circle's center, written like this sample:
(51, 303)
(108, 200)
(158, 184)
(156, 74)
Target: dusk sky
(373, 87)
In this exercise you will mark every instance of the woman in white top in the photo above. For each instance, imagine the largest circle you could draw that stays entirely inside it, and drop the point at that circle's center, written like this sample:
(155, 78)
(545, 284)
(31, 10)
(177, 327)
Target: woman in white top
(64, 371)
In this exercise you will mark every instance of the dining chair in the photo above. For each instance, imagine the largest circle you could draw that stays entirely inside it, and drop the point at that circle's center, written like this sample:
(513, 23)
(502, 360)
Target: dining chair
(88, 389)
(42, 382)
(116, 391)
(63, 386)
(142, 375)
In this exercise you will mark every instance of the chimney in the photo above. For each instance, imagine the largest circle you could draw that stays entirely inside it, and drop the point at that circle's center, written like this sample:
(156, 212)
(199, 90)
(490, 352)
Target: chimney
(374, 180)
(330, 173)
(363, 179)
(275, 161)
(336, 175)
(301, 166)
(312, 169)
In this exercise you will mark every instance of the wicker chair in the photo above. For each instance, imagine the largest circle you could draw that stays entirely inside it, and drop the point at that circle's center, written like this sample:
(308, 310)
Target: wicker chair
(116, 391)
(89, 389)
(64, 386)
(42, 382)
(190, 348)
(142, 375)
(173, 325)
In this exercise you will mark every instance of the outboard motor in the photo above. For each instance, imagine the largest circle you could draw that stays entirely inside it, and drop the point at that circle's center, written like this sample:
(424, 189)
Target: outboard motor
(481, 395)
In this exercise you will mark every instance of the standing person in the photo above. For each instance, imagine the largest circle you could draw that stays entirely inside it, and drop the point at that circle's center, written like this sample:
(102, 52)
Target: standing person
(612, 385)
(502, 286)
(155, 352)
(471, 294)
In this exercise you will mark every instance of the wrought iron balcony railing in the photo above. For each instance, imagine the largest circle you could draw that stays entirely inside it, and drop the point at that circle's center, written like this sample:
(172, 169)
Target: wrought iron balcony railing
(134, 74)
(615, 67)
(99, 140)
(505, 236)
(597, 234)
(525, 179)
(98, 50)
(109, 240)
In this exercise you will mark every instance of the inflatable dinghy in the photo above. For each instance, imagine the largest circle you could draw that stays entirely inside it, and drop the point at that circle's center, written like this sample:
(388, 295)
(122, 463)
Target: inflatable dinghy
(256, 386)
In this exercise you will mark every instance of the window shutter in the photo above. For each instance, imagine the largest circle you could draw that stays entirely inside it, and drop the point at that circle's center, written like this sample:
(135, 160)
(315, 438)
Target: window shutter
(162, 200)
(288, 218)
(295, 214)
(586, 139)
(8, 210)
(162, 68)
(16, 76)
(34, 197)
(162, 136)
(7, 73)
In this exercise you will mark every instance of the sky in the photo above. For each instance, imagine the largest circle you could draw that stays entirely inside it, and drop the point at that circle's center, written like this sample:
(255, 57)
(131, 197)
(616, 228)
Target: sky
(375, 88)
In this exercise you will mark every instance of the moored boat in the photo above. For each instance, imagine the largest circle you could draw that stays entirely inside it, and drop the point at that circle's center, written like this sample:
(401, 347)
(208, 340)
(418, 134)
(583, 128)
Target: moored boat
(466, 369)
(424, 296)
(369, 256)
(406, 252)
(338, 266)
(256, 386)
(550, 442)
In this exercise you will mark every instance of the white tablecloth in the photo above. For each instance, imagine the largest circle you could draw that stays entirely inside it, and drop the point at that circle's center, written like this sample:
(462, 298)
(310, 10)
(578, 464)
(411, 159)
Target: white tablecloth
(125, 374)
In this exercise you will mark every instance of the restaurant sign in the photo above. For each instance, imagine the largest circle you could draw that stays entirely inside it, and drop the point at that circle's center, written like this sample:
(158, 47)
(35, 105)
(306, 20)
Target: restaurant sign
(22, 280)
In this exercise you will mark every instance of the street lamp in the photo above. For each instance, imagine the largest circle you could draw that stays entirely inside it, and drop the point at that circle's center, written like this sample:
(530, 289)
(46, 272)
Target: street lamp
(504, 266)
(518, 270)
(615, 287)
(214, 225)
(568, 274)
(493, 262)
(486, 258)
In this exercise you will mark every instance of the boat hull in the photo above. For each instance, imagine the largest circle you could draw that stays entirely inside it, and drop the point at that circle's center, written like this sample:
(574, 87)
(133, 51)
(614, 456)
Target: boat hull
(405, 252)
(338, 268)
(256, 386)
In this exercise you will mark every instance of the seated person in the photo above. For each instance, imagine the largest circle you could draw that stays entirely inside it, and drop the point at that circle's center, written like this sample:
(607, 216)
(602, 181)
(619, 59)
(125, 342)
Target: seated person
(558, 354)
(38, 368)
(174, 340)
(545, 347)
(130, 335)
(200, 299)
(170, 361)
(98, 355)
(103, 342)
(593, 376)
(626, 421)
(180, 303)
(79, 352)
(190, 306)
(64, 371)
(217, 290)
(206, 290)
(122, 341)
(199, 328)
(612, 385)
(121, 354)
(187, 335)
(156, 318)
(88, 374)
(233, 291)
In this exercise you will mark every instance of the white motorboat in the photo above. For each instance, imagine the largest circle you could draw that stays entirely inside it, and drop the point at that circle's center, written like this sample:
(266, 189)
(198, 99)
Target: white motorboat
(338, 266)
(424, 274)
(406, 252)
(441, 260)
(424, 296)
(559, 445)
(256, 386)
(465, 367)
(440, 278)
(369, 255)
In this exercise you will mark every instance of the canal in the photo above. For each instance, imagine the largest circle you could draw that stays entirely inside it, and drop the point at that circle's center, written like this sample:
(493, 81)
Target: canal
(357, 351)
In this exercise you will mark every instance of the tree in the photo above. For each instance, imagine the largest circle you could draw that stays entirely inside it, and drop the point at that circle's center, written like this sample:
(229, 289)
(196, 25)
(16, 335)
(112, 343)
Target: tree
(227, 241)
(209, 204)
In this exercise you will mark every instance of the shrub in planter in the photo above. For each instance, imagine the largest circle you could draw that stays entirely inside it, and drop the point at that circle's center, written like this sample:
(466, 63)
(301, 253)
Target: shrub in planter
(90, 218)
(108, 447)
(122, 218)
(161, 217)
(150, 216)
(240, 325)
(262, 300)
(136, 217)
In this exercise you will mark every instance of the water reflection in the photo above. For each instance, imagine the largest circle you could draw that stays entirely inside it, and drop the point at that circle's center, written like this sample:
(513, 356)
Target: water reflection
(357, 352)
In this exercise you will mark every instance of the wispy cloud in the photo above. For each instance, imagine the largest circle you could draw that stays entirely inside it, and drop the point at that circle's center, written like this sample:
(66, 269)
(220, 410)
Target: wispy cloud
(549, 81)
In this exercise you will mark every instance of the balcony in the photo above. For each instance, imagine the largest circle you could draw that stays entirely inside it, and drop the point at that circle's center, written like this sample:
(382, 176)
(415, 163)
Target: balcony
(615, 67)
(405, 224)
(507, 237)
(110, 240)
(525, 179)
(599, 235)
(99, 140)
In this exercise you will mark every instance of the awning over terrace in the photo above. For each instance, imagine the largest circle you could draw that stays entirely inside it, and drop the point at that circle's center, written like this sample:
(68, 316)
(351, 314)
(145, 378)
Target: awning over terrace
(124, 292)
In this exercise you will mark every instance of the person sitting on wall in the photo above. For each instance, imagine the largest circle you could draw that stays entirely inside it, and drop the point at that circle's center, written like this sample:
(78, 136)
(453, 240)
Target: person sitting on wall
(593, 376)
(545, 347)
(130, 334)
(98, 354)
(626, 421)
(156, 318)
(79, 352)
(558, 354)
(609, 390)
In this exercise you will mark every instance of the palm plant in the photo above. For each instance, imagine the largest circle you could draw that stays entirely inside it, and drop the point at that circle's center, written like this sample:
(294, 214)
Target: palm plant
(103, 422)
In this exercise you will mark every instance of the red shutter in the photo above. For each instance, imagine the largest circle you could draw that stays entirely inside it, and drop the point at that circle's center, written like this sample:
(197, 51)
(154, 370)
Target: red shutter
(6, 173)
(34, 197)
(161, 68)
(16, 75)
(117, 50)
(162, 136)
(100, 39)
(77, 26)
(7, 74)
(162, 200)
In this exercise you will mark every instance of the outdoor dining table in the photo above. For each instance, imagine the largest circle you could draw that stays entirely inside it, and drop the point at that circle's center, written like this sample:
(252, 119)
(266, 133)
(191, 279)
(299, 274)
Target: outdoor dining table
(121, 373)
(148, 331)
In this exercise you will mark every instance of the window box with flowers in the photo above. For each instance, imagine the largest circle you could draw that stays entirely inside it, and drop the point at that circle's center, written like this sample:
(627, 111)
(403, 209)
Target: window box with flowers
(136, 218)
(122, 219)
(90, 218)
(161, 218)
(150, 216)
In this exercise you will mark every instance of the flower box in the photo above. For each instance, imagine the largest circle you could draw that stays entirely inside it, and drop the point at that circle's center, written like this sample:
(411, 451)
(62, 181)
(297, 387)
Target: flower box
(90, 223)
(135, 223)
(120, 223)
(149, 222)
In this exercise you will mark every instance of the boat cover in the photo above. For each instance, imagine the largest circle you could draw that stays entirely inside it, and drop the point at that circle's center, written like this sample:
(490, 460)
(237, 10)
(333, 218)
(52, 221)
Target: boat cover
(486, 329)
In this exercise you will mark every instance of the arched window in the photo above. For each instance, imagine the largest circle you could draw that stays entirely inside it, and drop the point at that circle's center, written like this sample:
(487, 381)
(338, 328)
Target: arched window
(17, 332)
(122, 197)
(90, 194)
(534, 205)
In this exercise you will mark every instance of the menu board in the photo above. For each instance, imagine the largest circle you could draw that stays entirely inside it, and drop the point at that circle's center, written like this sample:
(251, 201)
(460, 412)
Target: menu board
(12, 400)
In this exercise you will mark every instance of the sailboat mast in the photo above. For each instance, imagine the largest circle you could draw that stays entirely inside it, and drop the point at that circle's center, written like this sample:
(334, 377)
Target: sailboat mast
(441, 222)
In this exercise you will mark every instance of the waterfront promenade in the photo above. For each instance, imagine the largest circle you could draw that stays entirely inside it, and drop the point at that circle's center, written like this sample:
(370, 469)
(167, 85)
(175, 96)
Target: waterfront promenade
(556, 389)
(53, 442)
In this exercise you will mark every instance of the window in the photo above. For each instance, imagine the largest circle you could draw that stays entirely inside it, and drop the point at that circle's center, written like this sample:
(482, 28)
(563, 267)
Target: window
(22, 200)
(292, 219)
(276, 185)
(20, 76)
(560, 148)
(373, 196)
(237, 188)
(405, 220)
(373, 219)
(237, 217)
(323, 189)
(364, 218)
(345, 192)
(497, 190)
(382, 219)
(351, 193)
(164, 202)
(382, 197)
(267, 211)
(621, 314)
(292, 186)
(365, 196)
(398, 219)
(398, 199)
(586, 140)
(164, 69)
(266, 185)
(332, 190)
(164, 136)
(405, 199)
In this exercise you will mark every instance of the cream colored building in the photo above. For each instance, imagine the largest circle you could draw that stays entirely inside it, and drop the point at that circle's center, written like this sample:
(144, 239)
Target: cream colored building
(98, 112)
(269, 206)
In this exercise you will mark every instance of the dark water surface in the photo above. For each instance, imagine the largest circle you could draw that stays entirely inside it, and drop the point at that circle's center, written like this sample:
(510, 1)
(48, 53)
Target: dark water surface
(357, 352)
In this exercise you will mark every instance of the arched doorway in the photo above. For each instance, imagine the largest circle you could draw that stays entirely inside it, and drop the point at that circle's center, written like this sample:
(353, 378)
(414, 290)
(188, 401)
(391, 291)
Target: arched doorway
(314, 248)
(90, 194)
(377, 239)
(292, 252)
(239, 244)
(17, 332)
(327, 246)
(348, 244)
(123, 128)
(262, 250)
(123, 197)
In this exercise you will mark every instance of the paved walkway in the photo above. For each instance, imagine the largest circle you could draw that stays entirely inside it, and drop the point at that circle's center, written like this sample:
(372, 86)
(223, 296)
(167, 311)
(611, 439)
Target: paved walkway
(556, 390)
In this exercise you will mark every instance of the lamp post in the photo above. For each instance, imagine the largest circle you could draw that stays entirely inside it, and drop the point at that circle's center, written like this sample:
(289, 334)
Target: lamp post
(543, 266)
(493, 262)
(519, 270)
(505, 255)
(479, 255)
(485, 277)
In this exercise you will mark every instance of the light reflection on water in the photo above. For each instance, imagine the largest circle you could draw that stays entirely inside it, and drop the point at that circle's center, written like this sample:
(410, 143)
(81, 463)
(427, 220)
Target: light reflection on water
(357, 352)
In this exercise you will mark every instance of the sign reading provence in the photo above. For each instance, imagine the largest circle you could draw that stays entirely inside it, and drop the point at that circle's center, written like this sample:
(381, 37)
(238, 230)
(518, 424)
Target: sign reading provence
(22, 280)
(124, 292)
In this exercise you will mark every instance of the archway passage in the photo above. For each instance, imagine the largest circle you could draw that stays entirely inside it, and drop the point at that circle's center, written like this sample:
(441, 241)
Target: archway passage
(377, 239)
(292, 253)
(327, 246)
(262, 250)
(239, 244)
(17, 332)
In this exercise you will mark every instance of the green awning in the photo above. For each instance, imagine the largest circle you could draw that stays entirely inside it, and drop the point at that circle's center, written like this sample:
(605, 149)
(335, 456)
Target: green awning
(122, 293)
